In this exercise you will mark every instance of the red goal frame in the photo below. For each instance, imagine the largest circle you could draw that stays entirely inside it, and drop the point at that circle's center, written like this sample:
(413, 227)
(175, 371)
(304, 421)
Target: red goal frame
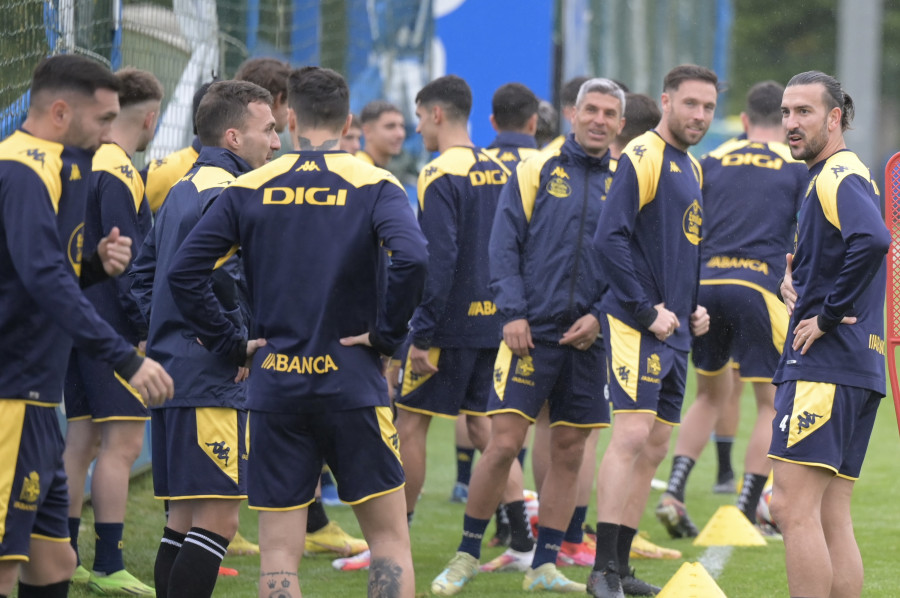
(892, 220)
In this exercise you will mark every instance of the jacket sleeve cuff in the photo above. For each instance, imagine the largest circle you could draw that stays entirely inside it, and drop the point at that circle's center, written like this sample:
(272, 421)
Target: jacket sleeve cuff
(826, 324)
(238, 353)
(646, 317)
(420, 343)
(129, 367)
(92, 271)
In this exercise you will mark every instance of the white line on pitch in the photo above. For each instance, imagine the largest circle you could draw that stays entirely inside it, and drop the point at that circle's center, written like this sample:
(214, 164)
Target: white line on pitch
(715, 558)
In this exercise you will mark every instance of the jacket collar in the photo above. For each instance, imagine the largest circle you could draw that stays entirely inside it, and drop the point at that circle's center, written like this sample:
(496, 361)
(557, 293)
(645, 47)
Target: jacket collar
(224, 159)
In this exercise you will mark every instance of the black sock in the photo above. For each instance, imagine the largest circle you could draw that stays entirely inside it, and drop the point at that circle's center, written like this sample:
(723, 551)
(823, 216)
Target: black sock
(723, 451)
(74, 524)
(316, 518)
(195, 570)
(607, 556)
(59, 589)
(750, 492)
(165, 556)
(681, 469)
(623, 542)
(521, 538)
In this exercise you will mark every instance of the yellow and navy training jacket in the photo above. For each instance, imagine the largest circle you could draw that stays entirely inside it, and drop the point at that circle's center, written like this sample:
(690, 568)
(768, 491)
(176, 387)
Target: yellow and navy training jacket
(649, 236)
(311, 226)
(542, 260)
(839, 270)
(365, 157)
(42, 308)
(202, 378)
(116, 199)
(162, 173)
(511, 148)
(751, 196)
(458, 193)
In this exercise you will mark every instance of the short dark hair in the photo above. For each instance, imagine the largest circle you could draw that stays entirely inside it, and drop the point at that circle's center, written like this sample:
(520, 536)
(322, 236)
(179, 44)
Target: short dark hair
(70, 72)
(224, 106)
(269, 73)
(512, 105)
(569, 92)
(834, 96)
(641, 115)
(198, 95)
(688, 72)
(764, 104)
(374, 109)
(548, 120)
(452, 93)
(319, 98)
(138, 86)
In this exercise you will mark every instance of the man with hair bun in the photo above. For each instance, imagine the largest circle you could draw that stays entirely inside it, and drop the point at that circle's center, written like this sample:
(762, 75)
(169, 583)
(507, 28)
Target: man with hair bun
(831, 375)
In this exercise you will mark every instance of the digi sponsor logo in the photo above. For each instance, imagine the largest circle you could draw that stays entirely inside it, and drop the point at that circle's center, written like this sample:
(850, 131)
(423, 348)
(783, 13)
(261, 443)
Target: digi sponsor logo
(299, 364)
(482, 308)
(314, 196)
(31, 491)
(751, 159)
(487, 177)
(693, 218)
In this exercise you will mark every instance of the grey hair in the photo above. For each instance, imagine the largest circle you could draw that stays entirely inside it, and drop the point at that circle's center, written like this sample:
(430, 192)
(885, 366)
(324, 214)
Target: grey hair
(601, 85)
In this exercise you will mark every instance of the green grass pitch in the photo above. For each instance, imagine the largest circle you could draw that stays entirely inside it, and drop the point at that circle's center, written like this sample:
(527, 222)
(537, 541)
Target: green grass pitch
(750, 572)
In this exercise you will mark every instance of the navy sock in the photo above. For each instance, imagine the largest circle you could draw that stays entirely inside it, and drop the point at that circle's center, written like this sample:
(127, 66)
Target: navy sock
(607, 556)
(108, 551)
(59, 589)
(548, 543)
(623, 542)
(473, 534)
(74, 524)
(316, 518)
(195, 570)
(464, 459)
(681, 469)
(723, 453)
(751, 490)
(575, 531)
(169, 546)
(521, 538)
(521, 456)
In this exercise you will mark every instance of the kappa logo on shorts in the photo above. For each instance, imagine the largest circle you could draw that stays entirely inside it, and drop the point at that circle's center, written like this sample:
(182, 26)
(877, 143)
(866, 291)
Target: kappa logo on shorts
(31, 491)
(623, 373)
(805, 420)
(221, 450)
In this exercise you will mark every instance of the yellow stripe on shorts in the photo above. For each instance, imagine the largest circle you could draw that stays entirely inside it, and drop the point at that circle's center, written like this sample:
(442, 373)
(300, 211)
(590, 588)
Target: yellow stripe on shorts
(502, 365)
(411, 380)
(12, 417)
(812, 408)
(388, 431)
(625, 346)
(217, 435)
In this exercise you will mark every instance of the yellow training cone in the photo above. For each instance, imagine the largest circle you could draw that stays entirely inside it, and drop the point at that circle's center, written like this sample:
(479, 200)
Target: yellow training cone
(729, 527)
(691, 581)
